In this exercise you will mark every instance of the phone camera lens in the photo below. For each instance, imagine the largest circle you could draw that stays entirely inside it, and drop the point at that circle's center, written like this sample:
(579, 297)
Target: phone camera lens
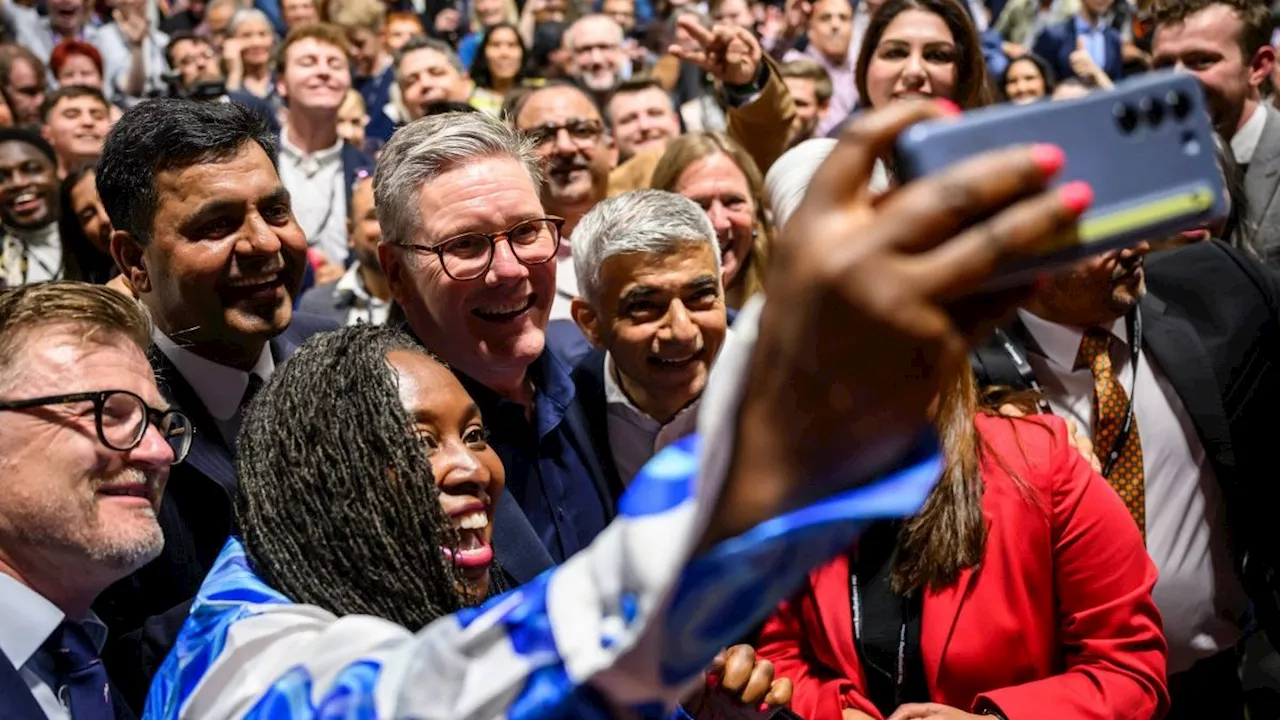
(1126, 116)
(1153, 110)
(1179, 103)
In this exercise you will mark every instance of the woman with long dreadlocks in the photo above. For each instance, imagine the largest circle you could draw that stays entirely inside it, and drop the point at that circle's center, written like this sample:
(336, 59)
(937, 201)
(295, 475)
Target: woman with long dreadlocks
(366, 498)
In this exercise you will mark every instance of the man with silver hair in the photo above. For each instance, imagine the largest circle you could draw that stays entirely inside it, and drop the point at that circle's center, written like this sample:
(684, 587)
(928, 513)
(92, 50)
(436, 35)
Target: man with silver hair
(468, 251)
(652, 304)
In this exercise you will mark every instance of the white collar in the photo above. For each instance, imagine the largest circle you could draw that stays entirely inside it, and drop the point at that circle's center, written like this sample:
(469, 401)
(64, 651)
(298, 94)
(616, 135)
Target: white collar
(352, 283)
(1060, 344)
(219, 387)
(1245, 142)
(32, 619)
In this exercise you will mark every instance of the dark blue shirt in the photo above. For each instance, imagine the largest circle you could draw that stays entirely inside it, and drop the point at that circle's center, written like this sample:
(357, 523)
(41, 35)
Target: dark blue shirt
(376, 92)
(552, 472)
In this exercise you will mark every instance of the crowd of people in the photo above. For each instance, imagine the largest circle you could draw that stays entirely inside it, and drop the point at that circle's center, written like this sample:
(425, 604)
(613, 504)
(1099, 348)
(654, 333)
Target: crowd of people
(403, 358)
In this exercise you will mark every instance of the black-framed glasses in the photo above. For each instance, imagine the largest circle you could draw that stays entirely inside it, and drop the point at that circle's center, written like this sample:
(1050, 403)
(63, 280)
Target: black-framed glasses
(121, 419)
(468, 256)
(581, 132)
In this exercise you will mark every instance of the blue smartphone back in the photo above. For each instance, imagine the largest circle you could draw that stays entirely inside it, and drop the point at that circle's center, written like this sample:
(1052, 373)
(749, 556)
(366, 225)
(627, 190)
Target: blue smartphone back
(1145, 147)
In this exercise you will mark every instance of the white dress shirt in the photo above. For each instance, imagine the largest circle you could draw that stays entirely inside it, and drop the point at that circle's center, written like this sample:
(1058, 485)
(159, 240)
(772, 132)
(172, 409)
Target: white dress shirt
(361, 306)
(219, 387)
(1198, 593)
(1245, 142)
(29, 620)
(315, 184)
(634, 437)
(43, 249)
(566, 287)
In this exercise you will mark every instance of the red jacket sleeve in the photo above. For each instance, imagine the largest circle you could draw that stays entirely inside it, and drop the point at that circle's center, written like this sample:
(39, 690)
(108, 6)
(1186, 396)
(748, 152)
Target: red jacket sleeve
(1109, 626)
(820, 693)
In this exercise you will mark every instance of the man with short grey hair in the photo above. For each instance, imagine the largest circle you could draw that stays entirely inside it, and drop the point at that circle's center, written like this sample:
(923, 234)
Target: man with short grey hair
(652, 304)
(468, 251)
(596, 57)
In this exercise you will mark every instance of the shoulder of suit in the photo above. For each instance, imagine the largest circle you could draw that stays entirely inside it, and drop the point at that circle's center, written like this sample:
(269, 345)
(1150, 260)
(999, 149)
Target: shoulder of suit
(305, 324)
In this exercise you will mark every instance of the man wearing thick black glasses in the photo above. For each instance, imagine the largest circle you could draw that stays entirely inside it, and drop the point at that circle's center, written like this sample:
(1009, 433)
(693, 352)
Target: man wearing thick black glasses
(86, 442)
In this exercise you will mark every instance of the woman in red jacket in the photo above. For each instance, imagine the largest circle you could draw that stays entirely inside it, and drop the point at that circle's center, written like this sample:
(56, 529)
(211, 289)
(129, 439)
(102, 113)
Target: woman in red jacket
(1022, 590)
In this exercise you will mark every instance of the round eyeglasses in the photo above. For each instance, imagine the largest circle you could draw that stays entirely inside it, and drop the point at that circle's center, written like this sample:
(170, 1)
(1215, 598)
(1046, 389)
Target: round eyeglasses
(121, 419)
(468, 256)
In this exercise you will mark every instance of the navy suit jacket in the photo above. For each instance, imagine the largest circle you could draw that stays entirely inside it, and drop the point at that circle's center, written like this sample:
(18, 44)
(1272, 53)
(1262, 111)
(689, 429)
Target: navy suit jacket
(17, 703)
(1056, 43)
(196, 516)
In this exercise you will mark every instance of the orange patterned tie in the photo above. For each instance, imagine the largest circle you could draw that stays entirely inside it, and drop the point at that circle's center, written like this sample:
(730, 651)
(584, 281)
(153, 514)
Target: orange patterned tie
(1110, 403)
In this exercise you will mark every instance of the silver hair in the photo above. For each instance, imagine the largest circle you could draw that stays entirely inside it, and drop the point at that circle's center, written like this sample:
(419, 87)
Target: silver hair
(570, 34)
(244, 14)
(430, 146)
(640, 221)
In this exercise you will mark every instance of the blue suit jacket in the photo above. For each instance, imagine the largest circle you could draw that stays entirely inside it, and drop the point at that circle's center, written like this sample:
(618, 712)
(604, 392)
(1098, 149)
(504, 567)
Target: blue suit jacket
(1056, 43)
(17, 703)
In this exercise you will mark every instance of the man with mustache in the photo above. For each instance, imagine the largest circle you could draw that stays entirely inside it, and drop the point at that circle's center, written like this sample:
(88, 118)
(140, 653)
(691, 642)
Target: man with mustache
(74, 376)
(317, 167)
(1176, 388)
(30, 247)
(206, 236)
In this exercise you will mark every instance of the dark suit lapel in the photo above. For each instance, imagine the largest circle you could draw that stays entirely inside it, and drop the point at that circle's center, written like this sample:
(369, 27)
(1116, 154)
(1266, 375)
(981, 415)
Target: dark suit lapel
(209, 453)
(1264, 168)
(517, 547)
(16, 701)
(1177, 350)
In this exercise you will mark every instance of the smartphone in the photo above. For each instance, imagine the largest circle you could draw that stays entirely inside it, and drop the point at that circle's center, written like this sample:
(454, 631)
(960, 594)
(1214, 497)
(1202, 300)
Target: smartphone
(1146, 147)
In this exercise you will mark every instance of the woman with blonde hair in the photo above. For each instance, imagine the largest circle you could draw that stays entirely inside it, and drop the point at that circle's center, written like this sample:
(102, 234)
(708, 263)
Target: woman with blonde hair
(714, 171)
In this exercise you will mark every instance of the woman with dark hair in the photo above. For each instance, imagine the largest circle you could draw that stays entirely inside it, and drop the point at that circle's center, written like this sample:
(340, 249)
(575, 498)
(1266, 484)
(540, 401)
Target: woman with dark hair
(501, 64)
(1026, 78)
(1020, 590)
(85, 228)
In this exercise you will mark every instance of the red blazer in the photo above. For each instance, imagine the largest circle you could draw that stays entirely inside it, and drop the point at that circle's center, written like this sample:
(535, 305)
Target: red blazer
(1056, 624)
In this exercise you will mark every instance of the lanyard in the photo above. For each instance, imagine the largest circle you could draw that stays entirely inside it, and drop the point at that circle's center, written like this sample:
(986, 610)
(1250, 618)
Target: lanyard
(1134, 323)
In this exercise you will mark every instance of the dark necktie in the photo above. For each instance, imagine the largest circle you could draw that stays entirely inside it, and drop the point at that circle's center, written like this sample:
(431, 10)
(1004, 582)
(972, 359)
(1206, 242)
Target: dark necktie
(80, 670)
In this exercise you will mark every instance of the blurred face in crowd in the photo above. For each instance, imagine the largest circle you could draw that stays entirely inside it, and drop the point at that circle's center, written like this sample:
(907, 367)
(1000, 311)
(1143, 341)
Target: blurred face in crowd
(67, 17)
(717, 184)
(76, 127)
(256, 38)
(1094, 291)
(352, 119)
(490, 12)
(85, 512)
(366, 48)
(399, 31)
(643, 120)
(25, 91)
(596, 56)
(217, 18)
(1207, 46)
(734, 12)
(808, 111)
(316, 76)
(831, 28)
(426, 76)
(299, 12)
(1096, 8)
(662, 319)
(6, 115)
(28, 187)
(490, 328)
(225, 258)
(467, 470)
(88, 211)
(1024, 83)
(916, 57)
(364, 231)
(196, 61)
(573, 147)
(79, 70)
(623, 12)
(503, 53)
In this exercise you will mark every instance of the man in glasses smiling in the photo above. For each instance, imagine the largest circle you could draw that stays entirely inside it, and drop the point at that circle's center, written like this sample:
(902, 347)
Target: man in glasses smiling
(86, 442)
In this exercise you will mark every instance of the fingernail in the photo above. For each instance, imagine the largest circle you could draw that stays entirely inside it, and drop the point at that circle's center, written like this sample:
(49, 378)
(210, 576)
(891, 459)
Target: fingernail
(764, 707)
(947, 106)
(713, 680)
(1049, 158)
(1077, 196)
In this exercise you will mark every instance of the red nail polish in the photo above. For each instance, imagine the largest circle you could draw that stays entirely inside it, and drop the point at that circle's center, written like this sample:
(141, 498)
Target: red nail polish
(947, 106)
(1077, 196)
(713, 680)
(764, 707)
(1049, 158)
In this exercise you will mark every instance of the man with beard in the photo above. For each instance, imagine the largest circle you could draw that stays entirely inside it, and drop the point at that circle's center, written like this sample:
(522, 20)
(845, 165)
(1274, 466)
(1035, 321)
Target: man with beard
(1226, 44)
(318, 168)
(30, 249)
(40, 33)
(597, 59)
(205, 234)
(76, 120)
(86, 441)
(1177, 391)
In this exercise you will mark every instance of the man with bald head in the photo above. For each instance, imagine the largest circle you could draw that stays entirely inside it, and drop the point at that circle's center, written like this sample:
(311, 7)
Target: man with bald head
(596, 57)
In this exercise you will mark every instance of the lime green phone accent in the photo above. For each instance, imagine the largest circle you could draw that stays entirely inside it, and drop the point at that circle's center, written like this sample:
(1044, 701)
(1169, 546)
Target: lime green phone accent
(1102, 227)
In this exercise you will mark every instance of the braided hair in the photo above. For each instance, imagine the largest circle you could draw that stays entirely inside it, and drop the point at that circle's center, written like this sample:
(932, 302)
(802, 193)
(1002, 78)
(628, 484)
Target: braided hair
(337, 504)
